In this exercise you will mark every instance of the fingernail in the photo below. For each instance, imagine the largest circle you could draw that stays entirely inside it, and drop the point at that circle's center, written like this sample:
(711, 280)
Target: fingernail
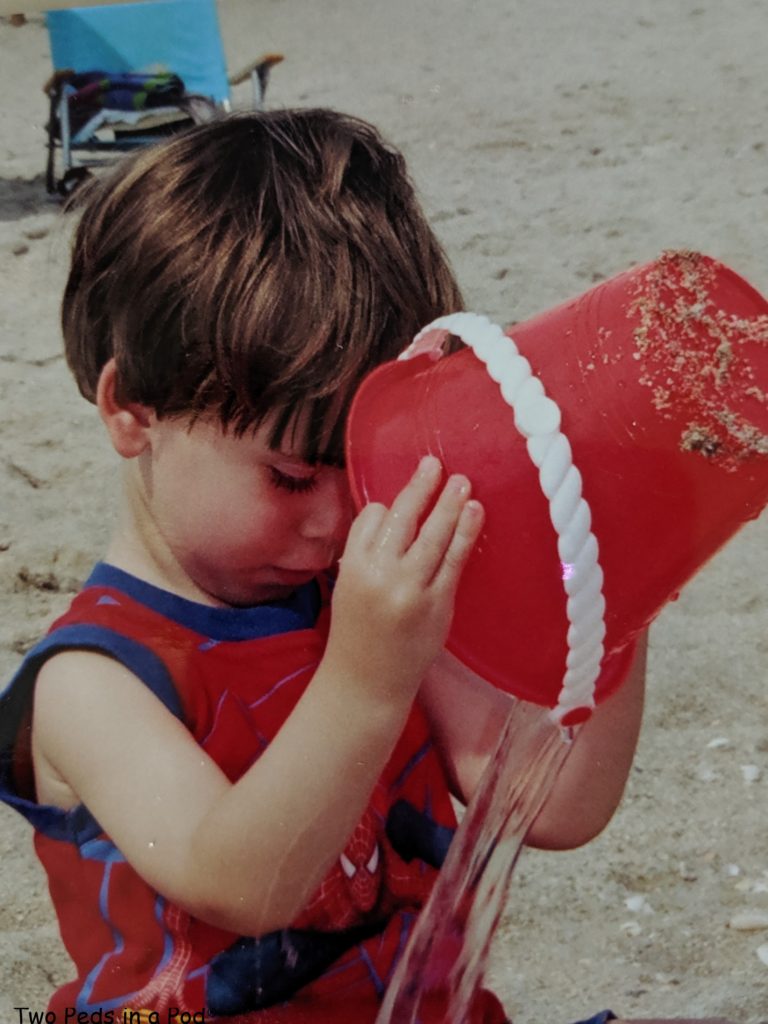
(429, 465)
(459, 485)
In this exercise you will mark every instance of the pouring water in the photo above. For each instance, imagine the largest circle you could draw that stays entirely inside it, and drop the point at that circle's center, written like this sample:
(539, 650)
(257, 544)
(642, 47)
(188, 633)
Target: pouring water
(447, 955)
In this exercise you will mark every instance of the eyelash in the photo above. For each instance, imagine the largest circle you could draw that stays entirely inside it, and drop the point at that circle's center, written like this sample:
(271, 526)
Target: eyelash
(292, 484)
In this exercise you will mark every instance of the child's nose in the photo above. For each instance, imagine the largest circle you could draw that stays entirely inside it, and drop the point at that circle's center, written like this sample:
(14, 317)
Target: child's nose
(331, 511)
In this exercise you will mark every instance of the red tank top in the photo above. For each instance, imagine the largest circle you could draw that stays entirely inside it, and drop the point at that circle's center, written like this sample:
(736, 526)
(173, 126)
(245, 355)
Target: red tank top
(232, 676)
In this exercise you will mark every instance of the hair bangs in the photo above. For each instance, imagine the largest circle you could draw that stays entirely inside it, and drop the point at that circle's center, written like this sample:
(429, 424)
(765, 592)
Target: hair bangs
(304, 377)
(255, 270)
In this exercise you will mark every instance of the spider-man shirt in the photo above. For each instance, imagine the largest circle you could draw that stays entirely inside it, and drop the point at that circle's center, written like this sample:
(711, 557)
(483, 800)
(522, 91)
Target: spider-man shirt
(232, 676)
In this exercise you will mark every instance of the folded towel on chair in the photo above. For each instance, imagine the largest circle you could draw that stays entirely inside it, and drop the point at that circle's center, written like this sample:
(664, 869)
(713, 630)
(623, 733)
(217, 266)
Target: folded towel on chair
(95, 91)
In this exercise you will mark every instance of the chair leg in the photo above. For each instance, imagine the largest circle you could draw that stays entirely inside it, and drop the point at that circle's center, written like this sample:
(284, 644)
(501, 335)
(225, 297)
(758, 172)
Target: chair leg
(66, 138)
(258, 72)
(50, 165)
(72, 180)
(260, 77)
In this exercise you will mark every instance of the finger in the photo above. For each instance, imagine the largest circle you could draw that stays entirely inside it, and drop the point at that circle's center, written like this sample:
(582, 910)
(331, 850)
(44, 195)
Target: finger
(399, 527)
(367, 525)
(428, 549)
(465, 536)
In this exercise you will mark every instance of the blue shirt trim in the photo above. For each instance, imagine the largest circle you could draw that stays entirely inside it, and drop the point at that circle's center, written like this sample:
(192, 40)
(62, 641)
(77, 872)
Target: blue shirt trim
(299, 611)
(76, 825)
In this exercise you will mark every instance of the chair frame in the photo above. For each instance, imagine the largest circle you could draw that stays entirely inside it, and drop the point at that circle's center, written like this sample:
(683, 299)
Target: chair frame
(156, 123)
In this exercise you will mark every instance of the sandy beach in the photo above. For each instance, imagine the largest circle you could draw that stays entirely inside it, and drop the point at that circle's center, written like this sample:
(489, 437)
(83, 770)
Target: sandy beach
(553, 144)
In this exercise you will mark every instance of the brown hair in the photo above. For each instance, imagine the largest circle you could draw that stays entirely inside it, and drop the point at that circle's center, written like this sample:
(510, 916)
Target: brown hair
(259, 263)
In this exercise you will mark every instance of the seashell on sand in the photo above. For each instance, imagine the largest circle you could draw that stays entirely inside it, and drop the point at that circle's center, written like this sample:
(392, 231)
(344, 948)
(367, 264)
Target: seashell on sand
(749, 920)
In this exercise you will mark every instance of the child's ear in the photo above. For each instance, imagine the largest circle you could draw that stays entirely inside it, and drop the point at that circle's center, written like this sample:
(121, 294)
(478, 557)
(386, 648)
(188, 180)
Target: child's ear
(127, 423)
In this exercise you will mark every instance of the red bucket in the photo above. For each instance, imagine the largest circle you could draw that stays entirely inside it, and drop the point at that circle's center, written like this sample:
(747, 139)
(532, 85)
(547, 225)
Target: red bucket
(616, 442)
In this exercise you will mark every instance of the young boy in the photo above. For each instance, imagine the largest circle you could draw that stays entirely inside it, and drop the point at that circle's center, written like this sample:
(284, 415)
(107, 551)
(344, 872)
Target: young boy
(240, 787)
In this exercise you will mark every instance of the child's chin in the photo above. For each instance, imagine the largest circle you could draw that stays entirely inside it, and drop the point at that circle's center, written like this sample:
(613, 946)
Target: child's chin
(272, 594)
(251, 588)
(266, 593)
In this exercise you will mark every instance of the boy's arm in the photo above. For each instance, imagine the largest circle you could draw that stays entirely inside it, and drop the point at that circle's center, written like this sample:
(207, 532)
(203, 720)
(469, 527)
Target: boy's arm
(468, 714)
(245, 857)
(248, 856)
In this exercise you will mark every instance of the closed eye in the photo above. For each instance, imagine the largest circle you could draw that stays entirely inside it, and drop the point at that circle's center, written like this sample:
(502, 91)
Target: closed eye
(292, 484)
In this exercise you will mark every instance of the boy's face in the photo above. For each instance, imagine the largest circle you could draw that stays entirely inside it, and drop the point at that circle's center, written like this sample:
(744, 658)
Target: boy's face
(245, 523)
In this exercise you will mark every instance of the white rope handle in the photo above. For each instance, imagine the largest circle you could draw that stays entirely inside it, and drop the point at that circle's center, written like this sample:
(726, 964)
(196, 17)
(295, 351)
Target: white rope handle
(537, 417)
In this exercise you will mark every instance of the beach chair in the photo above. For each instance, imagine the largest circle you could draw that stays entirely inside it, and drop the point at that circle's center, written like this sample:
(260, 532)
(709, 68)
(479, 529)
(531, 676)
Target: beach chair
(127, 74)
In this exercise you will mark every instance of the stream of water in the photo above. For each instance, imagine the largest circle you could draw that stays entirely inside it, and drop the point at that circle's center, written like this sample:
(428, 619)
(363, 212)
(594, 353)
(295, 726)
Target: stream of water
(446, 957)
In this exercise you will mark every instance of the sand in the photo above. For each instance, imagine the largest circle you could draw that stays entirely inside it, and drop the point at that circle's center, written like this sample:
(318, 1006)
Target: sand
(553, 144)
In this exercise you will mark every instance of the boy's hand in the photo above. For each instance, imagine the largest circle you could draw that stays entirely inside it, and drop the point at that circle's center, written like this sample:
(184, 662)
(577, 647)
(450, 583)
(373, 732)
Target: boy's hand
(393, 601)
